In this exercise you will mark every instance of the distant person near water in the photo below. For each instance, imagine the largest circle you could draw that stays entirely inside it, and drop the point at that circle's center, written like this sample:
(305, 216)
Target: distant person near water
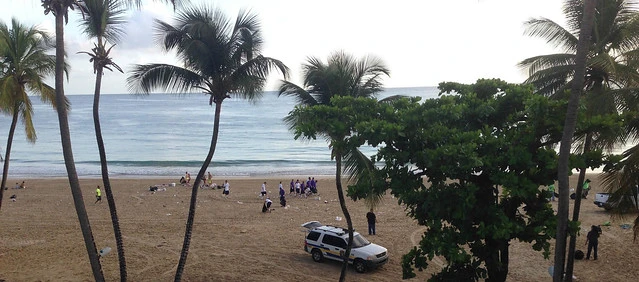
(263, 190)
(292, 187)
(23, 185)
(187, 177)
(209, 179)
(227, 188)
(98, 195)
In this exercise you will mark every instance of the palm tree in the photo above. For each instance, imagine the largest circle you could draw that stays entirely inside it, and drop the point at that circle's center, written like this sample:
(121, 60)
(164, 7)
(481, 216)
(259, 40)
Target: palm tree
(103, 21)
(24, 63)
(60, 10)
(220, 58)
(610, 78)
(343, 75)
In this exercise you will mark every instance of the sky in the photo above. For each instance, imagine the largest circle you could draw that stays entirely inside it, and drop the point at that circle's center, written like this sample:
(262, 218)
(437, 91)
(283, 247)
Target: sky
(422, 42)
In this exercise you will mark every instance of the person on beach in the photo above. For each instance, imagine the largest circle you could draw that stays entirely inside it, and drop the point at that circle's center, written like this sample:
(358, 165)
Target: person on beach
(371, 218)
(592, 240)
(183, 181)
(209, 179)
(551, 189)
(585, 189)
(298, 187)
(227, 188)
(98, 195)
(292, 187)
(187, 177)
(267, 205)
(282, 195)
(23, 185)
(263, 190)
(17, 186)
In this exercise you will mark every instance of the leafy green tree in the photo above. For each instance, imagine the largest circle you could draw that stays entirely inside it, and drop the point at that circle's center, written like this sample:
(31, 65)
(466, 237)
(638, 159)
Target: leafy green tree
(342, 75)
(469, 167)
(219, 57)
(103, 21)
(60, 10)
(24, 64)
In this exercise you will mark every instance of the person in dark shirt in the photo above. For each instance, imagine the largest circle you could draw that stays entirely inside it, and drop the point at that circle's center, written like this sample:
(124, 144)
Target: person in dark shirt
(370, 216)
(592, 240)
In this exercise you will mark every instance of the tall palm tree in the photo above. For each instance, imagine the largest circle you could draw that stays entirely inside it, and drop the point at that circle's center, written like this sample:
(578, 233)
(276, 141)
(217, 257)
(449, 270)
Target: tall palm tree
(220, 58)
(342, 75)
(611, 75)
(60, 10)
(24, 63)
(103, 20)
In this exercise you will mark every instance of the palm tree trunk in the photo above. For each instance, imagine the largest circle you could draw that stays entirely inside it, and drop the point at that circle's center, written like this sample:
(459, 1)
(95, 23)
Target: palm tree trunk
(566, 139)
(347, 215)
(5, 169)
(105, 174)
(65, 136)
(191, 217)
(572, 244)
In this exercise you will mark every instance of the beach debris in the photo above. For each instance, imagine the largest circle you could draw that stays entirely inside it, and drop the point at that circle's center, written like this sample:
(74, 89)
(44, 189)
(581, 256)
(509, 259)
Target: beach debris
(168, 214)
(607, 223)
(105, 251)
(625, 226)
(325, 202)
(338, 218)
(13, 197)
(243, 231)
(239, 202)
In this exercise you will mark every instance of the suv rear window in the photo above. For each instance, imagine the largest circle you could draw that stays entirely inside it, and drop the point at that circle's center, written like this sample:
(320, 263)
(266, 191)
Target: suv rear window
(313, 235)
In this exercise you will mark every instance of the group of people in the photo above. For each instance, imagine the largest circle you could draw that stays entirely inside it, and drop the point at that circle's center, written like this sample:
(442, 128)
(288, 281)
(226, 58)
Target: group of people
(20, 185)
(303, 189)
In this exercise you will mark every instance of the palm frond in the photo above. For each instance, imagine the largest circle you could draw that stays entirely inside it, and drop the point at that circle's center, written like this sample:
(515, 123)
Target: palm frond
(103, 19)
(166, 77)
(552, 32)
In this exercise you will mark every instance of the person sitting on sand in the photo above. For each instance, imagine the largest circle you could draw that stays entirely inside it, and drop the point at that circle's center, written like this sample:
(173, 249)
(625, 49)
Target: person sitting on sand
(187, 177)
(183, 181)
(23, 186)
(267, 205)
(17, 186)
(209, 179)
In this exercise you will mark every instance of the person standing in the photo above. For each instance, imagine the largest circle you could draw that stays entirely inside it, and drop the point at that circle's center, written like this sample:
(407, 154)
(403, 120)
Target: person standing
(98, 195)
(263, 190)
(551, 189)
(292, 188)
(592, 240)
(227, 188)
(371, 218)
(282, 195)
(209, 180)
(585, 188)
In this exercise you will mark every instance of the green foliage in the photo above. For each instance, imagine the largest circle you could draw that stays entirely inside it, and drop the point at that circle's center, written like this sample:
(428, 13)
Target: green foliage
(469, 165)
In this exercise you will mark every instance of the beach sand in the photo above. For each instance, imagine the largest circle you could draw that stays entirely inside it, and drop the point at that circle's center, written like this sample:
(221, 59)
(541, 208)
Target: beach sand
(40, 238)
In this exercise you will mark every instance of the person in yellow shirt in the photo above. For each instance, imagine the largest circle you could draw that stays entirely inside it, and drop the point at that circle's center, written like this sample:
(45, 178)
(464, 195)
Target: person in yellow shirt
(98, 195)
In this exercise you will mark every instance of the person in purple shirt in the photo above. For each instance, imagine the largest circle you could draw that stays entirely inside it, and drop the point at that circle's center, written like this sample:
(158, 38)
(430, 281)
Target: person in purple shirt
(292, 188)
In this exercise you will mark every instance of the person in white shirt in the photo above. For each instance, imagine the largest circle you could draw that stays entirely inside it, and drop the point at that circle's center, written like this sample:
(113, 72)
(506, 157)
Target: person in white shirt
(263, 191)
(227, 188)
(267, 205)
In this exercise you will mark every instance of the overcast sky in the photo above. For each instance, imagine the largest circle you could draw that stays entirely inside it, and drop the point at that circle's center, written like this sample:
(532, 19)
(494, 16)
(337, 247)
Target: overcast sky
(423, 42)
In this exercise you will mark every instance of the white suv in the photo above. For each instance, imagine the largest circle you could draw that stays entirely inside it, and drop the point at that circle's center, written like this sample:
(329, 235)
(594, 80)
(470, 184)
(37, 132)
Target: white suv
(324, 241)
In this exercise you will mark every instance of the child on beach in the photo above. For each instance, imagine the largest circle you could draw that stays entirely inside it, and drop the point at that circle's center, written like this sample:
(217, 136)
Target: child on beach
(263, 190)
(227, 188)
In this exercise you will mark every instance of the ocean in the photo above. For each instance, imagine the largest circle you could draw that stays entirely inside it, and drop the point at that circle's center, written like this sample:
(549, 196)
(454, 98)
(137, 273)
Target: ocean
(165, 135)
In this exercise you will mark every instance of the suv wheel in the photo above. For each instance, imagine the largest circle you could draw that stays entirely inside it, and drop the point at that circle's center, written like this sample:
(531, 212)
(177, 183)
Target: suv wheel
(360, 266)
(317, 255)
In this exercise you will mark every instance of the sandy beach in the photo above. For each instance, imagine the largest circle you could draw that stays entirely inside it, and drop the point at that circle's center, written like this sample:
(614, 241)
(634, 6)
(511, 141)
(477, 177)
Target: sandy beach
(40, 238)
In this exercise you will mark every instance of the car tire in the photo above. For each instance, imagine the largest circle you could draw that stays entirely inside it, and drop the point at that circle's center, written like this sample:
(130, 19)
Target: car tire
(317, 255)
(359, 265)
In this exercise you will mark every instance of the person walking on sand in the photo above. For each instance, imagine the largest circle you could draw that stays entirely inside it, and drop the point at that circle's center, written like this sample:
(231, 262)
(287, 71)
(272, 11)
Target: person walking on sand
(227, 188)
(263, 190)
(98, 195)
(592, 240)
(371, 218)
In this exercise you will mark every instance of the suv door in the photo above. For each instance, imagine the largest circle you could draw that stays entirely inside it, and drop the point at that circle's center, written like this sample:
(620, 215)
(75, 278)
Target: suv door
(334, 246)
